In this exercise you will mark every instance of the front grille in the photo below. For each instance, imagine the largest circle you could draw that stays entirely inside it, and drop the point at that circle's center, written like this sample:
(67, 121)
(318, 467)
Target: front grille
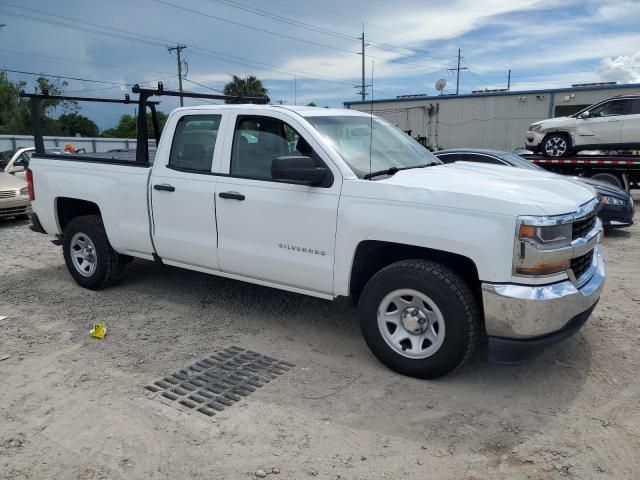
(13, 210)
(7, 193)
(579, 265)
(580, 228)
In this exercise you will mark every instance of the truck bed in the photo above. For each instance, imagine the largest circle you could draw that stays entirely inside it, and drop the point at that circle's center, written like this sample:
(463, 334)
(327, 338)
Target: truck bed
(119, 186)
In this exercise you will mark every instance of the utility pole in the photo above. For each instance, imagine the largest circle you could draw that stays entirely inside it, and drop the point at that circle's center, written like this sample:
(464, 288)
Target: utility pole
(457, 70)
(295, 90)
(363, 93)
(363, 86)
(509, 81)
(178, 48)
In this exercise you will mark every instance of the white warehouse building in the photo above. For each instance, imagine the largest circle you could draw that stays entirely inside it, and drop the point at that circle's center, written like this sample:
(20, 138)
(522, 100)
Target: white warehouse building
(486, 119)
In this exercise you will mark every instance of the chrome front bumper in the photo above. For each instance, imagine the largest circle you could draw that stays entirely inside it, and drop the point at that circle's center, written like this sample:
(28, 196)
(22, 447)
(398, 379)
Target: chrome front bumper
(523, 312)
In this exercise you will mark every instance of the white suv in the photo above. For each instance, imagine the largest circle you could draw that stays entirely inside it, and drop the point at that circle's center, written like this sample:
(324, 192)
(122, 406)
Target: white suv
(613, 124)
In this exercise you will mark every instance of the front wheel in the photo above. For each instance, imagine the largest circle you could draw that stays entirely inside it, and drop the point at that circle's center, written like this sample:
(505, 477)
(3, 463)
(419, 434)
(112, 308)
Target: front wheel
(90, 259)
(419, 318)
(556, 145)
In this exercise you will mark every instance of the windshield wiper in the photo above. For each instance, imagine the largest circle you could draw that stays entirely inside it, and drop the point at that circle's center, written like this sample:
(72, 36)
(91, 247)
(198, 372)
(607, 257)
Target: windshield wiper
(393, 170)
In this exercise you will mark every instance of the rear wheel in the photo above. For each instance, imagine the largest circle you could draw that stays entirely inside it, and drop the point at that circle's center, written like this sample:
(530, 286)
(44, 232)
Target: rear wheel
(90, 259)
(556, 145)
(609, 178)
(419, 318)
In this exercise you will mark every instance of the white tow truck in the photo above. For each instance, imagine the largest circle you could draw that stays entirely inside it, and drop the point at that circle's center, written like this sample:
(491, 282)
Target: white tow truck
(330, 203)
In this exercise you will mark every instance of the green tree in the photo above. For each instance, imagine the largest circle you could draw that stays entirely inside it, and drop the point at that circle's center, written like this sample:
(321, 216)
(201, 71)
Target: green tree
(244, 87)
(72, 124)
(15, 113)
(126, 127)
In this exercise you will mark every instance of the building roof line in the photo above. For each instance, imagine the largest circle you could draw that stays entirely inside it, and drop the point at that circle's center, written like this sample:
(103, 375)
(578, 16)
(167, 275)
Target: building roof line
(498, 94)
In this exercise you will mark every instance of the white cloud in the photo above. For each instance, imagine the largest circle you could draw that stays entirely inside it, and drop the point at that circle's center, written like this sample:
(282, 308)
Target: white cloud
(625, 68)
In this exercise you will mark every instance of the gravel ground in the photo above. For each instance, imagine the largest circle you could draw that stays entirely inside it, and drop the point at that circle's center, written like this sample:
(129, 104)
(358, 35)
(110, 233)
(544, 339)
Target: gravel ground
(75, 407)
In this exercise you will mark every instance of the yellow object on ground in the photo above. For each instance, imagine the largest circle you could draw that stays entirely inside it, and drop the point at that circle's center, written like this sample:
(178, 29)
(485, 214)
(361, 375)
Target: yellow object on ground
(99, 330)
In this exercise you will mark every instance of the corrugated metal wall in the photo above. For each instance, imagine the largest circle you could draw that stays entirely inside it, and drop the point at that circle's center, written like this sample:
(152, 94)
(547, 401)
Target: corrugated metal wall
(488, 121)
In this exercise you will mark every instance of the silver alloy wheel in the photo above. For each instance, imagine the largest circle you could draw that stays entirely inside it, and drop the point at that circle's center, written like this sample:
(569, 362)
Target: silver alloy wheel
(555, 146)
(411, 323)
(83, 254)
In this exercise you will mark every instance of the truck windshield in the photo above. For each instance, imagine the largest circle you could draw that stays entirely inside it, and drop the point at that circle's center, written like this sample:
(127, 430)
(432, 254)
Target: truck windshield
(368, 151)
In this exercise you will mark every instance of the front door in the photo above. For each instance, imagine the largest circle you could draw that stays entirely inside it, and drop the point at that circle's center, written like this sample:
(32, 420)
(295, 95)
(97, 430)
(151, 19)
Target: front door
(182, 193)
(271, 230)
(603, 126)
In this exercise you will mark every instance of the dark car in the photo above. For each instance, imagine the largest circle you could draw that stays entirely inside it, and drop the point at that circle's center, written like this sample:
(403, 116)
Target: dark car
(617, 205)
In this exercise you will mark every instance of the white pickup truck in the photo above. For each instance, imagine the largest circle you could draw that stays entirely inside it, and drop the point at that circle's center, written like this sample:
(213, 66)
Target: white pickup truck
(330, 203)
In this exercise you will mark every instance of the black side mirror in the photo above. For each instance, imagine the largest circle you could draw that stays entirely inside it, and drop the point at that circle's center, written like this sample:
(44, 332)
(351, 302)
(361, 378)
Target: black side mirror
(299, 169)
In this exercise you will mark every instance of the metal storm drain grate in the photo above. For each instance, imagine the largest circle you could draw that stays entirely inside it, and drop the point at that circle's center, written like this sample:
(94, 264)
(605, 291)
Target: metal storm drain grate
(218, 381)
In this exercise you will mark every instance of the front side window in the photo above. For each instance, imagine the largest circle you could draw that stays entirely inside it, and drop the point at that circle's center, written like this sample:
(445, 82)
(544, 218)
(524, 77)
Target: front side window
(257, 141)
(194, 142)
(609, 109)
(368, 145)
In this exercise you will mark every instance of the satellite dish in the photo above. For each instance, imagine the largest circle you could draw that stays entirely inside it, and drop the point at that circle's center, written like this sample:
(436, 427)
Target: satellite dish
(440, 84)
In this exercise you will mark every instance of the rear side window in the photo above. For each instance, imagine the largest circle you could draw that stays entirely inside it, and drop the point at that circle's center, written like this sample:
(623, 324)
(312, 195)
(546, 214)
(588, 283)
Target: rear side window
(451, 157)
(634, 108)
(475, 157)
(194, 142)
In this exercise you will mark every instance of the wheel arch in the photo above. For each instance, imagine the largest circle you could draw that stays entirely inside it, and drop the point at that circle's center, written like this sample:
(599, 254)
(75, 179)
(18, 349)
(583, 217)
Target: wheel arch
(373, 255)
(68, 208)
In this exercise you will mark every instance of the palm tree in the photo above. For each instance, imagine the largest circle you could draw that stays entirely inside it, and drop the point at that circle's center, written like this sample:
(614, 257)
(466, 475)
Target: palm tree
(244, 87)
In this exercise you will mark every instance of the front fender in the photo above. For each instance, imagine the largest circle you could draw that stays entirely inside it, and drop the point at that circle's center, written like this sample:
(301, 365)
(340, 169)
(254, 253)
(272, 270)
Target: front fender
(486, 239)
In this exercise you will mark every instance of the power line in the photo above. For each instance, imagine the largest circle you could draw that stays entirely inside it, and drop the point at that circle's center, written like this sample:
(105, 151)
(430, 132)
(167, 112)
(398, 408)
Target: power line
(75, 61)
(258, 29)
(203, 51)
(203, 86)
(67, 78)
(315, 28)
(290, 37)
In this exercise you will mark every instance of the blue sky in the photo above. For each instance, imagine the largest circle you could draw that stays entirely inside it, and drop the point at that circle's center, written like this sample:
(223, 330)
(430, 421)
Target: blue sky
(546, 43)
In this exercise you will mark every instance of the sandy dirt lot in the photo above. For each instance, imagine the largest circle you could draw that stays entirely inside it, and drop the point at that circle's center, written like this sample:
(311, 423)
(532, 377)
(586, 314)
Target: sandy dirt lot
(75, 407)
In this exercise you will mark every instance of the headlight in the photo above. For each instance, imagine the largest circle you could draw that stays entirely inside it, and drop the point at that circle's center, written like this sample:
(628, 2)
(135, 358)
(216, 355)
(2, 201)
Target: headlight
(539, 238)
(612, 200)
(24, 191)
(546, 236)
(535, 128)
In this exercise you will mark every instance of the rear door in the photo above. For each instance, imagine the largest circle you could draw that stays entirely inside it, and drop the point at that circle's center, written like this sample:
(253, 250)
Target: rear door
(630, 137)
(183, 189)
(271, 230)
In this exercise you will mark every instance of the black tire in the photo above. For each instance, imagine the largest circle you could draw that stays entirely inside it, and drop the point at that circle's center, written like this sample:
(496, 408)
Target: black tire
(609, 178)
(109, 264)
(453, 298)
(551, 145)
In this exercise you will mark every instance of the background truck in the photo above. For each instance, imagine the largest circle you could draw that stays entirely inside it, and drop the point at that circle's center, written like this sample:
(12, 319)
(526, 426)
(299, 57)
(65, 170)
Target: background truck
(331, 203)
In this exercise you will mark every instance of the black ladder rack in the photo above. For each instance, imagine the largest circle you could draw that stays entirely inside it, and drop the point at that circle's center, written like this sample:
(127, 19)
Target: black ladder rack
(142, 149)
